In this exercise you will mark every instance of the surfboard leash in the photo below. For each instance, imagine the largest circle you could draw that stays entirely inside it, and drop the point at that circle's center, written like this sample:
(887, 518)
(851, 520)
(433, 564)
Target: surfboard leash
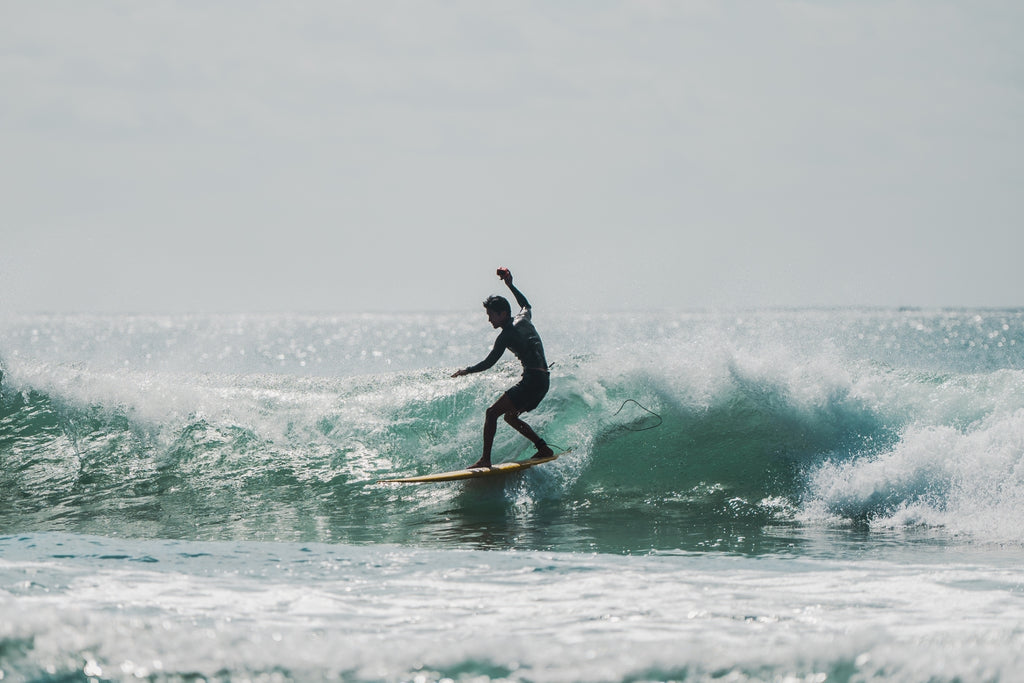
(645, 409)
(564, 450)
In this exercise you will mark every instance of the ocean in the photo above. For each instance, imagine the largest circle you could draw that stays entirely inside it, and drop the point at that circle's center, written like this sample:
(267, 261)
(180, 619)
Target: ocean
(764, 495)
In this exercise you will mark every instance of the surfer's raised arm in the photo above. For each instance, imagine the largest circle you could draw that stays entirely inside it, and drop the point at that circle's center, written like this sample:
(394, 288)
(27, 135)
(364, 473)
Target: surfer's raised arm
(506, 277)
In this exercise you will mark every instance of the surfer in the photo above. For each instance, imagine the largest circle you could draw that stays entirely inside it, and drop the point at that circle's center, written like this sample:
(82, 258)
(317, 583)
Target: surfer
(520, 337)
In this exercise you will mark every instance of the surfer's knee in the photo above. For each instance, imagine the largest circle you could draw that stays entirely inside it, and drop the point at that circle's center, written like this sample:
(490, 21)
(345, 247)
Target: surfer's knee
(512, 418)
(503, 406)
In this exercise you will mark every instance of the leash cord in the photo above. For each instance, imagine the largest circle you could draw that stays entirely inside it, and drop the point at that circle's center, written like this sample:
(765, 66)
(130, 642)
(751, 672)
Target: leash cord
(644, 408)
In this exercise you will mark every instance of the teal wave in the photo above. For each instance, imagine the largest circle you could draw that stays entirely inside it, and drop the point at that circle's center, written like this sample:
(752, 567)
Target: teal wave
(683, 432)
(294, 474)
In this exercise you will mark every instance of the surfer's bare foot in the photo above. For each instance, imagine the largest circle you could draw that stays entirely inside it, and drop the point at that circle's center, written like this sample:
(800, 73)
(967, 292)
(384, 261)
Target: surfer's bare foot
(479, 464)
(543, 452)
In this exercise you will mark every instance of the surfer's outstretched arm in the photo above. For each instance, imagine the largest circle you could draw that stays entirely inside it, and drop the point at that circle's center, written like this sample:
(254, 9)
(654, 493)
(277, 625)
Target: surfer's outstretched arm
(486, 363)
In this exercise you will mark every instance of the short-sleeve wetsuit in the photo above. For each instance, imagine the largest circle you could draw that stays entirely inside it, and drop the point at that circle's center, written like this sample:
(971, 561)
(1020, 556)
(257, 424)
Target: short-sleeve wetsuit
(520, 337)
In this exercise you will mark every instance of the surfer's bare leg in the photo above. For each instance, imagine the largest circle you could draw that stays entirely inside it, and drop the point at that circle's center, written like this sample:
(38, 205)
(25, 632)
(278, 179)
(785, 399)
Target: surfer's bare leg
(504, 407)
(543, 450)
(500, 407)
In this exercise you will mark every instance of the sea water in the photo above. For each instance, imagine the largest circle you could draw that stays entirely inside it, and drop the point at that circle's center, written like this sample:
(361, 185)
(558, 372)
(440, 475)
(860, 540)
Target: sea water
(813, 495)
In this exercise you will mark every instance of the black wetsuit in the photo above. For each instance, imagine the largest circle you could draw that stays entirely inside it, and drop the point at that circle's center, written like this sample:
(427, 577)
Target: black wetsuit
(520, 337)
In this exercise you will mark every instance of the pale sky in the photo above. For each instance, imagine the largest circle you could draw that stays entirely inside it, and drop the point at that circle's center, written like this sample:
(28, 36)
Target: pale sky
(246, 155)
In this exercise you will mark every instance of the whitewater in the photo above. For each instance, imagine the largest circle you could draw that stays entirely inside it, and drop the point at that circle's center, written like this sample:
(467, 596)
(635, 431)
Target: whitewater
(764, 495)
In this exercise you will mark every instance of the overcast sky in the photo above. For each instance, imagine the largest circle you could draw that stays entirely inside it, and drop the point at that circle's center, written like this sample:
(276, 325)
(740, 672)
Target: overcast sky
(342, 156)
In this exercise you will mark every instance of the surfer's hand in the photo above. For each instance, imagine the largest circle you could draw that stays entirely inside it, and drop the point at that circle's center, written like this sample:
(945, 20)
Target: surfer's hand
(460, 373)
(505, 275)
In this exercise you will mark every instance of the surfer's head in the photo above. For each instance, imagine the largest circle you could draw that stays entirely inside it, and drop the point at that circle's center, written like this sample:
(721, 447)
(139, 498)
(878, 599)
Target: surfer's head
(498, 310)
(498, 304)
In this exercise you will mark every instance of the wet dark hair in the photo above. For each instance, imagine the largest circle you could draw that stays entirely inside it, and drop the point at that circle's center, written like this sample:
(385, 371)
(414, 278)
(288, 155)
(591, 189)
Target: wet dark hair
(498, 304)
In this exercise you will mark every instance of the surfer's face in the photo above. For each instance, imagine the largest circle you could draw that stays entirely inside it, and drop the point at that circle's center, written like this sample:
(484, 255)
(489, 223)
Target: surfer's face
(497, 318)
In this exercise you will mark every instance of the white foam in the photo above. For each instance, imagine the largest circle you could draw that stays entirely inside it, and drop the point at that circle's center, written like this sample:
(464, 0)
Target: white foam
(968, 481)
(383, 613)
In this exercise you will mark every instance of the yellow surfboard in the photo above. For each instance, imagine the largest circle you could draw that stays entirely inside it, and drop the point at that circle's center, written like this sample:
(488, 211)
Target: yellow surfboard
(472, 473)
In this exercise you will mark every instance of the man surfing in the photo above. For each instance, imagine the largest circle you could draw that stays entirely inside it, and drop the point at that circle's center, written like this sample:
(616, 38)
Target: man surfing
(520, 337)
